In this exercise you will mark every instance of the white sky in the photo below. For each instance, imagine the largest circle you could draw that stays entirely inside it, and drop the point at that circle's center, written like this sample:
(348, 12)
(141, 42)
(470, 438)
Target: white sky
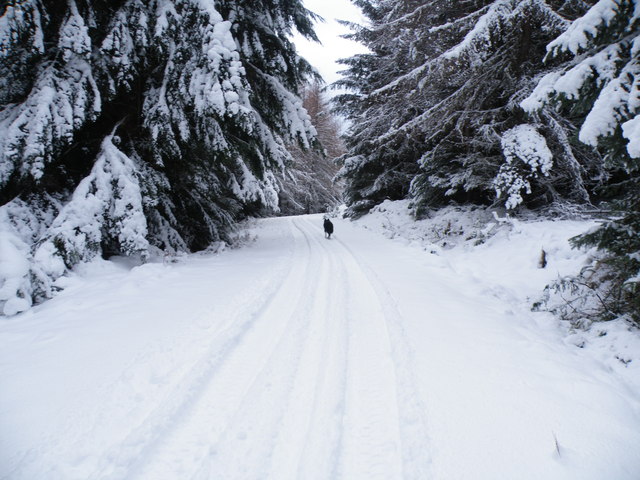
(323, 56)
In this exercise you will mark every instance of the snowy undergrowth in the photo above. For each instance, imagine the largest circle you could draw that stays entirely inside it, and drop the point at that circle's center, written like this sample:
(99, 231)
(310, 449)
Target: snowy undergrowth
(443, 229)
(503, 255)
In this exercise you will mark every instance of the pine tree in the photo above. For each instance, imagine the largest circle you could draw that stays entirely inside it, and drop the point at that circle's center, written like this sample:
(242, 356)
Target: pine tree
(130, 125)
(377, 167)
(488, 143)
(308, 185)
(597, 76)
(440, 103)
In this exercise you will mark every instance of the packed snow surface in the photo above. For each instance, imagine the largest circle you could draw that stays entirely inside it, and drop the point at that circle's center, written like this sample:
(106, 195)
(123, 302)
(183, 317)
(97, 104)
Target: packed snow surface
(358, 357)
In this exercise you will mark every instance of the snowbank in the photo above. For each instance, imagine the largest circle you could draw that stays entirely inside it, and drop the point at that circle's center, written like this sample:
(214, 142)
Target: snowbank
(301, 357)
(502, 255)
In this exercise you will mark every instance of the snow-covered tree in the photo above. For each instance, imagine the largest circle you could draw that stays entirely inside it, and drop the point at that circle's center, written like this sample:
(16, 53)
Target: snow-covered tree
(376, 167)
(525, 146)
(600, 75)
(132, 124)
(597, 75)
(308, 185)
(476, 152)
(438, 91)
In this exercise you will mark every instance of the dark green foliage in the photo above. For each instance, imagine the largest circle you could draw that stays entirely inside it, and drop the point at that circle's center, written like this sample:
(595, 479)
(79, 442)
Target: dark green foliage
(153, 123)
(441, 85)
(619, 268)
(380, 162)
(604, 47)
(145, 66)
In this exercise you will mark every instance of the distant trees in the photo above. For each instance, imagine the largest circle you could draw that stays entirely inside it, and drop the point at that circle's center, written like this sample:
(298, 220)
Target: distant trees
(308, 184)
(131, 125)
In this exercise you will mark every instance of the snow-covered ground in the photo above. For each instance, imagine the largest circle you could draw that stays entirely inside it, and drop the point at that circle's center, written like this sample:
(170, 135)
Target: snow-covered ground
(358, 357)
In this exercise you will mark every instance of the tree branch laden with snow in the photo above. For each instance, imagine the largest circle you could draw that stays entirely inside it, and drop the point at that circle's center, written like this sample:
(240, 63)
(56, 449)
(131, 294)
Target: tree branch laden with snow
(527, 155)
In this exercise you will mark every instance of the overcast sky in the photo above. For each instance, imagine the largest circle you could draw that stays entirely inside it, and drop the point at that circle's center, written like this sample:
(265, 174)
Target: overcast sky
(324, 56)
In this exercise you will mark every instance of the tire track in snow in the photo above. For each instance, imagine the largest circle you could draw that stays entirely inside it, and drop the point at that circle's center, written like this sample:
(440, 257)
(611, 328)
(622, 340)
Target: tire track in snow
(396, 443)
(318, 386)
(310, 438)
(248, 446)
(371, 446)
(124, 460)
(232, 426)
(412, 422)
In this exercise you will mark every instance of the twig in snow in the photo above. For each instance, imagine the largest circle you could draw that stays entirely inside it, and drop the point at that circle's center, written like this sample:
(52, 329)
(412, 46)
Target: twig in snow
(542, 262)
(555, 439)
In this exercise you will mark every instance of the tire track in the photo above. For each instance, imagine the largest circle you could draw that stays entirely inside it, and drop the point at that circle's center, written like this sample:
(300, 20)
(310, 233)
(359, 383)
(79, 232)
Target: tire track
(407, 407)
(125, 459)
(414, 433)
(313, 380)
(248, 446)
(310, 440)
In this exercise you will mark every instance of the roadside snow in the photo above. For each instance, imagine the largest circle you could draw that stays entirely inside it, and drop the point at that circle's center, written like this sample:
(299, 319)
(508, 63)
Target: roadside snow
(300, 357)
(502, 256)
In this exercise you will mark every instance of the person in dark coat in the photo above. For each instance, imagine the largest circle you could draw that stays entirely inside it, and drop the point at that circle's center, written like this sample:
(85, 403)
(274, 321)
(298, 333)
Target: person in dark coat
(328, 228)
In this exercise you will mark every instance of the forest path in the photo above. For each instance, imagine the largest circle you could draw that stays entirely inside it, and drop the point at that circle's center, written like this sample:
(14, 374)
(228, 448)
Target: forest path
(299, 357)
(308, 386)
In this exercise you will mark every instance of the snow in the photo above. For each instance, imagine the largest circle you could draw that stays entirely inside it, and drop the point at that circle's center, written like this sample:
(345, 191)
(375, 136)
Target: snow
(60, 102)
(15, 21)
(218, 81)
(411, 356)
(498, 13)
(19, 229)
(74, 35)
(541, 93)
(614, 102)
(480, 32)
(106, 203)
(251, 188)
(128, 30)
(14, 267)
(165, 8)
(523, 142)
(521, 145)
(602, 65)
(612, 105)
(631, 131)
(612, 69)
(580, 33)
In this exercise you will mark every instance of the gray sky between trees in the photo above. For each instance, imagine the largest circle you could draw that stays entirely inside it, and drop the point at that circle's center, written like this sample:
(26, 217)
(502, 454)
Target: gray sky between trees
(323, 56)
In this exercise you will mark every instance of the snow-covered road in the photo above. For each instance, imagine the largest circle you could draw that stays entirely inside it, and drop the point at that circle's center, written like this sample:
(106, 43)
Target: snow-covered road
(301, 357)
